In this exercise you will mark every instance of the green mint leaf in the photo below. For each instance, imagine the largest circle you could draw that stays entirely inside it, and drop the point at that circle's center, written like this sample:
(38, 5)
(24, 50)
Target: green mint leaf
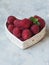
(34, 20)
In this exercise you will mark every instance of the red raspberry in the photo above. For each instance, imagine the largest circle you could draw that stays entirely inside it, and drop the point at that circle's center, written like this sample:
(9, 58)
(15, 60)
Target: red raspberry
(35, 29)
(41, 21)
(11, 19)
(17, 32)
(16, 23)
(25, 23)
(10, 27)
(26, 34)
(37, 17)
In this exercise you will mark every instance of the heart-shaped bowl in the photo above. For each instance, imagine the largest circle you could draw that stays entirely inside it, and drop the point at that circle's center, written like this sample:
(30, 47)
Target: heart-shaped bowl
(29, 42)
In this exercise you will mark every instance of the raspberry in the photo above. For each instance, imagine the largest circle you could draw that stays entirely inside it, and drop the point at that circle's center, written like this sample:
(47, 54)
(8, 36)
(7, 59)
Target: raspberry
(26, 34)
(35, 29)
(11, 19)
(25, 23)
(10, 27)
(16, 23)
(41, 21)
(37, 17)
(17, 32)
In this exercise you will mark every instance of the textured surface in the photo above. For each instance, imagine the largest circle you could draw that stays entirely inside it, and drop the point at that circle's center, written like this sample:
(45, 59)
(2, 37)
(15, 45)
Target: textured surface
(11, 54)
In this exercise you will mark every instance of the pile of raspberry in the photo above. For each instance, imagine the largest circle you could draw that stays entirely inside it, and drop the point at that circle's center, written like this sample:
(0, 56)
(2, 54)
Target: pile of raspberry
(25, 28)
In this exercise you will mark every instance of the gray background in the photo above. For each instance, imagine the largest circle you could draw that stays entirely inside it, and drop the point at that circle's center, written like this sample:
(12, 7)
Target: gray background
(10, 54)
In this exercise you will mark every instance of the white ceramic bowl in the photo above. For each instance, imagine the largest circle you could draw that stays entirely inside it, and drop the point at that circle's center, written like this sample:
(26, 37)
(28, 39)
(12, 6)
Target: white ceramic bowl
(29, 42)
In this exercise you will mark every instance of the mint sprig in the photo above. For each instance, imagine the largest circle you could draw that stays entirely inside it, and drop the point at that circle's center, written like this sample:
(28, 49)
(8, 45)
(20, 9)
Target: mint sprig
(34, 20)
